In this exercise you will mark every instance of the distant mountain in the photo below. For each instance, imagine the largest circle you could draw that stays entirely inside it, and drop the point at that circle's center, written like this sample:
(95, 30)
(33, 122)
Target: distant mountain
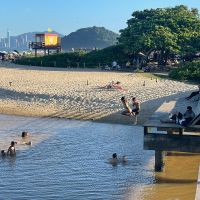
(20, 42)
(89, 38)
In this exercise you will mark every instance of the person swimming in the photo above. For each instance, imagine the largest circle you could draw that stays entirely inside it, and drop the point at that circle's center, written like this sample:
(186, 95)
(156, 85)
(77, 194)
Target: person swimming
(3, 153)
(115, 160)
(11, 150)
(28, 143)
(124, 159)
(24, 134)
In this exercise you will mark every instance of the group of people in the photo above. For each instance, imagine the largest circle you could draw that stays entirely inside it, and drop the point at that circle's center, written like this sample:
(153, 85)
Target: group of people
(11, 150)
(181, 119)
(127, 109)
(184, 119)
(113, 85)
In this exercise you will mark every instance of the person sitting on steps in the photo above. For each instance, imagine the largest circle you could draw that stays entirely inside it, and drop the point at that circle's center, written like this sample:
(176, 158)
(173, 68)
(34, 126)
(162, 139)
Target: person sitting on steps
(181, 119)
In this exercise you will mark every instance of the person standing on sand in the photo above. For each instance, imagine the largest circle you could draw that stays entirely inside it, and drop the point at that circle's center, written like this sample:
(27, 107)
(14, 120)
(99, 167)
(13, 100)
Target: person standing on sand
(136, 106)
(128, 110)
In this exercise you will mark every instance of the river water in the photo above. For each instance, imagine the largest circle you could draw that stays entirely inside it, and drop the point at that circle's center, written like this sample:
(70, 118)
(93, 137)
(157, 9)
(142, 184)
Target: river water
(68, 160)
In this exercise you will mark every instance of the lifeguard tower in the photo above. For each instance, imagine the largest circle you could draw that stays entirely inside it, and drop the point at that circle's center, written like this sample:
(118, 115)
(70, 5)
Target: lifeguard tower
(46, 42)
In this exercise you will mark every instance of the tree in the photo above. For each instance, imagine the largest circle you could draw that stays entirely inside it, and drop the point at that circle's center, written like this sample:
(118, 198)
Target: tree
(164, 30)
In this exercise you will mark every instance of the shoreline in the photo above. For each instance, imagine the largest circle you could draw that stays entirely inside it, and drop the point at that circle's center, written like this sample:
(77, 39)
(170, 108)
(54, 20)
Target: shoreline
(76, 94)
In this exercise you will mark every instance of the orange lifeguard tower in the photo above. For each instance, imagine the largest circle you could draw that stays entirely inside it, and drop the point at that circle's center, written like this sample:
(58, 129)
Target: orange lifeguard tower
(47, 42)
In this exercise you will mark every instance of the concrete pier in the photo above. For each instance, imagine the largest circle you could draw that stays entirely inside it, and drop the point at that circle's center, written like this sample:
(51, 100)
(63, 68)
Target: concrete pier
(171, 136)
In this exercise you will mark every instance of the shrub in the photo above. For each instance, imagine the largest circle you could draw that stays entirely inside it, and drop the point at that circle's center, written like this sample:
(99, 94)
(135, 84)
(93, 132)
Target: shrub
(187, 71)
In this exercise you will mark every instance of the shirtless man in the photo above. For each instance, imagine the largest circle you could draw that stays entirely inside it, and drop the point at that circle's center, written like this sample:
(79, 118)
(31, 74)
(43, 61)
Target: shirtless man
(136, 106)
(11, 150)
(127, 110)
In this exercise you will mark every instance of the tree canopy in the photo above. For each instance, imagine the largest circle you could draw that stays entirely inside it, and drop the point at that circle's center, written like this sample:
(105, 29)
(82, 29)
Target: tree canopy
(165, 30)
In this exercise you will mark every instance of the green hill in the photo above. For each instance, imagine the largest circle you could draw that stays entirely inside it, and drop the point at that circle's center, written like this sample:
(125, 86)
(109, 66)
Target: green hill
(89, 38)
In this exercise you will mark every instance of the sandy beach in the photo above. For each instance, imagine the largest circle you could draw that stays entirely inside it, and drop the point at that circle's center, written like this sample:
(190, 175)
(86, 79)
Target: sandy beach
(76, 93)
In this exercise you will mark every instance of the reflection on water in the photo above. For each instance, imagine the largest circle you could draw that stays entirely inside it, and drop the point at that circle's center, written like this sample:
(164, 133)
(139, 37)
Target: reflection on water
(178, 180)
(68, 160)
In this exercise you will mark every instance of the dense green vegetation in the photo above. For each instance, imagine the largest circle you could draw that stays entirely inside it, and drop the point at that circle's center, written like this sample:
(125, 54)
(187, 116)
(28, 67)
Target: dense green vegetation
(168, 33)
(89, 38)
(165, 31)
(187, 71)
(93, 59)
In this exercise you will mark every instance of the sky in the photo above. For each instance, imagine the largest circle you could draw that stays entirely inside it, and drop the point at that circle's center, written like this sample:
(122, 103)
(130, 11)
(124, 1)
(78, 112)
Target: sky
(66, 16)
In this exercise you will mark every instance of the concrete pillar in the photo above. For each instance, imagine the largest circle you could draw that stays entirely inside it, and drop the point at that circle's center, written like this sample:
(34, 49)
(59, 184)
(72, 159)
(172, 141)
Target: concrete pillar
(181, 130)
(35, 52)
(158, 161)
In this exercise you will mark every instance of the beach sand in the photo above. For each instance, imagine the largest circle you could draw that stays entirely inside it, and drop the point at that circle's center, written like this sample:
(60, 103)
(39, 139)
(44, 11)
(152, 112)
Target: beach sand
(76, 93)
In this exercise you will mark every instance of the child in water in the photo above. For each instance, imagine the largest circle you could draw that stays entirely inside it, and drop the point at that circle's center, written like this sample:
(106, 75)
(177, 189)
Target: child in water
(3, 154)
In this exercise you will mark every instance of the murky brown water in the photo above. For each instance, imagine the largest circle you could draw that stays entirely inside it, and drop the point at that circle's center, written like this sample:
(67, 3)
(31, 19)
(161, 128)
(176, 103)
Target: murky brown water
(178, 181)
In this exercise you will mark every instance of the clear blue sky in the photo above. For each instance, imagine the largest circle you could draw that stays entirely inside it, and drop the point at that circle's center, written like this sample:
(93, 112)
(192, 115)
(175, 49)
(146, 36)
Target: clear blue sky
(66, 16)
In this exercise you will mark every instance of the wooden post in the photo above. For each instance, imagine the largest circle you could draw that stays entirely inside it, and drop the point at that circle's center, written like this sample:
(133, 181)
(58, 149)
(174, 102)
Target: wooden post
(170, 131)
(35, 52)
(181, 130)
(145, 130)
(54, 63)
(158, 161)
(84, 64)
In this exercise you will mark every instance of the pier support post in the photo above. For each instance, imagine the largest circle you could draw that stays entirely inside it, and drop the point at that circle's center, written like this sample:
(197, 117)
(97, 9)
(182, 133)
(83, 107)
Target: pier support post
(158, 161)
(170, 131)
(181, 130)
(35, 52)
